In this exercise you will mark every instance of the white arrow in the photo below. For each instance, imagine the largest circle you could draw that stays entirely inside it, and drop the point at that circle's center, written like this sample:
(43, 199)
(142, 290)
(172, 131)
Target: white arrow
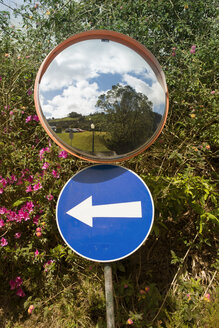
(86, 211)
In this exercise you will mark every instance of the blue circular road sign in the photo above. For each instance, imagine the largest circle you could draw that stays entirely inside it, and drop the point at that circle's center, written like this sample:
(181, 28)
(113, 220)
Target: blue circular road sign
(105, 212)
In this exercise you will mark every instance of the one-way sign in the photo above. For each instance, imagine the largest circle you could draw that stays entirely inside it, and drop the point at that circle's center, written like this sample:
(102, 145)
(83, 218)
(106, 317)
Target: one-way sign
(105, 213)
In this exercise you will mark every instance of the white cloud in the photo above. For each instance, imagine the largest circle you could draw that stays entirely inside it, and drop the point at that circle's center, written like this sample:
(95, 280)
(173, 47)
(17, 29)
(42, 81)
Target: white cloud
(155, 92)
(80, 98)
(67, 77)
(88, 59)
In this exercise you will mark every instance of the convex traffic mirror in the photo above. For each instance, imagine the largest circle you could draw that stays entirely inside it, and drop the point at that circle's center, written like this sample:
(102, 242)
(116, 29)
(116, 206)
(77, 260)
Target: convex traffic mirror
(101, 96)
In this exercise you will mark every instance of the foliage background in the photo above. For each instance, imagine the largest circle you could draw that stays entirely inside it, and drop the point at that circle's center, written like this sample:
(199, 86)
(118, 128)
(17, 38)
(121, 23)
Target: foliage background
(172, 280)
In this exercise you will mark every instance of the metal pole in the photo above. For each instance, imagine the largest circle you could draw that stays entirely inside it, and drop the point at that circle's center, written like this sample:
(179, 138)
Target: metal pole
(93, 143)
(109, 296)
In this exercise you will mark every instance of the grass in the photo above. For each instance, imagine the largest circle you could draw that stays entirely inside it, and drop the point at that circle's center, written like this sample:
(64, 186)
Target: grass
(83, 141)
(50, 121)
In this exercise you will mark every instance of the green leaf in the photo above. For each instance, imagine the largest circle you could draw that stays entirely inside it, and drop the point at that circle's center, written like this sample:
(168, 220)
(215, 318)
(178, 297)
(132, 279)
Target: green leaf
(21, 201)
(120, 267)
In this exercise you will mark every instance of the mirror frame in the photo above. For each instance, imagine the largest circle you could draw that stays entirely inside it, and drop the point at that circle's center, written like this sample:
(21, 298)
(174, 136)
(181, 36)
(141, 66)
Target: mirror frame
(122, 39)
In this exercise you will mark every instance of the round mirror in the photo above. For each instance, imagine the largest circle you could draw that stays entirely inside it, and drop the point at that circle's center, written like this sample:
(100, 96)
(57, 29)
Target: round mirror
(101, 96)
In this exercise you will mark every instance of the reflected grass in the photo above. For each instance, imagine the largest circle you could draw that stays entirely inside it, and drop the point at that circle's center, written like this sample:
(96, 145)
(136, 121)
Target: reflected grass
(83, 140)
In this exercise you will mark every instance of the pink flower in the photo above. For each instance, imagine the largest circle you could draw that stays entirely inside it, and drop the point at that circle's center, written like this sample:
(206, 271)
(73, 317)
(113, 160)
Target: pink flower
(18, 281)
(29, 188)
(50, 262)
(130, 322)
(1, 223)
(30, 309)
(29, 91)
(30, 178)
(20, 292)
(35, 118)
(3, 210)
(0, 78)
(3, 242)
(63, 154)
(12, 284)
(29, 206)
(23, 214)
(17, 235)
(28, 119)
(3, 182)
(37, 186)
(49, 197)
(126, 286)
(11, 112)
(36, 253)
(55, 174)
(19, 182)
(47, 264)
(23, 172)
(207, 298)
(212, 92)
(45, 166)
(13, 178)
(36, 219)
(192, 50)
(41, 153)
(1, 190)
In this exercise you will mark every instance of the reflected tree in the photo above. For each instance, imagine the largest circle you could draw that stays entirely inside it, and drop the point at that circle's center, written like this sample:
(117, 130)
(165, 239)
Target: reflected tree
(129, 118)
(74, 115)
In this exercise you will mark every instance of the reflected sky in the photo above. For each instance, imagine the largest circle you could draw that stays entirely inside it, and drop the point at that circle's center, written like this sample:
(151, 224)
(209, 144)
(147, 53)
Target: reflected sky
(82, 72)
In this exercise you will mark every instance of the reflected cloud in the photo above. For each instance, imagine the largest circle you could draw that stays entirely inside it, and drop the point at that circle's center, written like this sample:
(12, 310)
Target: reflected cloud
(154, 92)
(80, 98)
(80, 73)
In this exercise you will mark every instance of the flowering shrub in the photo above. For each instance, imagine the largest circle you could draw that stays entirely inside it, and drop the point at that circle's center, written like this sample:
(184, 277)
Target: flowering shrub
(33, 171)
(16, 284)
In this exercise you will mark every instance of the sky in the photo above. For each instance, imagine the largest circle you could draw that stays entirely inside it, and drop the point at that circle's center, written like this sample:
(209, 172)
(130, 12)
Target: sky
(82, 72)
(13, 4)
(10, 3)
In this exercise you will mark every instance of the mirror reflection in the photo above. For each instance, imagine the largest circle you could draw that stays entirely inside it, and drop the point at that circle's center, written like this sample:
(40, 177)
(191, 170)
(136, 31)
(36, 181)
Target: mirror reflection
(101, 98)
